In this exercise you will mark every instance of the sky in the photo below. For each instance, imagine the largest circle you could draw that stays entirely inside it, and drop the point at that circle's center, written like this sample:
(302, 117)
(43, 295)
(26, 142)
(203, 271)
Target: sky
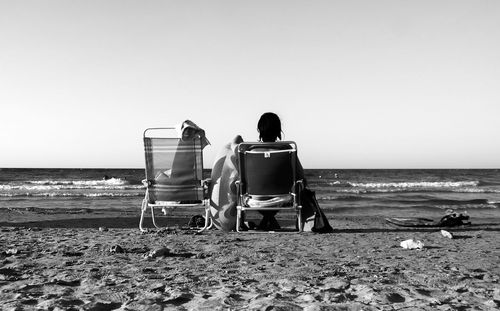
(357, 84)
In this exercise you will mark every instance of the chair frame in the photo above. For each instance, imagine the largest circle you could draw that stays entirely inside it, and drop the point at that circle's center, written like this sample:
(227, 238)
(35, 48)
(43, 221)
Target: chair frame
(149, 184)
(295, 188)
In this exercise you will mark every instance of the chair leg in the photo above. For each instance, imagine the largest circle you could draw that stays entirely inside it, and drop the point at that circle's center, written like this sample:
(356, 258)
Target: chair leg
(143, 210)
(211, 220)
(208, 220)
(238, 219)
(210, 226)
(153, 217)
(209, 215)
(299, 218)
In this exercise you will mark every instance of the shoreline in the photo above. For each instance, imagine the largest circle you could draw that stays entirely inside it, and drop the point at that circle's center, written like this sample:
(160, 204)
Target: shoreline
(129, 218)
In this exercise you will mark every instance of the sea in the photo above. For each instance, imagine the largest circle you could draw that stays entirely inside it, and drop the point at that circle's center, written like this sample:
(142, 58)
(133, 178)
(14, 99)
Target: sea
(378, 192)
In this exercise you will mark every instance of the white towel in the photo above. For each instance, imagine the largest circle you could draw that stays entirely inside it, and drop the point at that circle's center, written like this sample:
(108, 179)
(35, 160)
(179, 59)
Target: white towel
(277, 201)
(183, 130)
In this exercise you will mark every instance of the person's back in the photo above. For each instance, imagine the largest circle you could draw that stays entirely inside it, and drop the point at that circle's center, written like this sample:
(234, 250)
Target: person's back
(225, 173)
(269, 128)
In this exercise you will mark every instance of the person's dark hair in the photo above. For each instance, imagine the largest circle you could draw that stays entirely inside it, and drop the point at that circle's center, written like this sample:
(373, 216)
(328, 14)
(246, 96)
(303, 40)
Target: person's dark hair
(269, 127)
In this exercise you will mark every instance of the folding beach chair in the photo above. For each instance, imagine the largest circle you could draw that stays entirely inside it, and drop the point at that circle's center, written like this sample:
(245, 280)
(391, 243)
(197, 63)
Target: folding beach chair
(174, 173)
(268, 179)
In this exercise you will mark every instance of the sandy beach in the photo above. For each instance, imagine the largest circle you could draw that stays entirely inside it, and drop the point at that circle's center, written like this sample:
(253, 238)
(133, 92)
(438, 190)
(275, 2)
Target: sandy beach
(82, 260)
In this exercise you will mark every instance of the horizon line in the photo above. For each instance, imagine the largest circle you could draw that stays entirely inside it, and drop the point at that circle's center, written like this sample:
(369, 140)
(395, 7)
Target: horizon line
(209, 168)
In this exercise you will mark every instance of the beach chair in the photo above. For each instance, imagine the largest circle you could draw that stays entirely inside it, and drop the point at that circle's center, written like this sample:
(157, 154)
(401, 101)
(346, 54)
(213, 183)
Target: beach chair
(174, 174)
(268, 179)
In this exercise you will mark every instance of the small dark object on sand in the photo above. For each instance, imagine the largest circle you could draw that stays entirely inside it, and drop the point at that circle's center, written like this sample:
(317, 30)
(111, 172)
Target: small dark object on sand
(116, 249)
(197, 221)
(454, 219)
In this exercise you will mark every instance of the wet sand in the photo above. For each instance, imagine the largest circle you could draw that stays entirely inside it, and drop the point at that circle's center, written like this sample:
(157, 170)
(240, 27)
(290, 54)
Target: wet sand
(83, 260)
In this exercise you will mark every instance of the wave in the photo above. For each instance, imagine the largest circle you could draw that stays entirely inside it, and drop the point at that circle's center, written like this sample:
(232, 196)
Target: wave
(47, 185)
(489, 183)
(469, 206)
(66, 187)
(345, 198)
(102, 182)
(409, 190)
(404, 200)
(414, 211)
(67, 195)
(339, 184)
(419, 184)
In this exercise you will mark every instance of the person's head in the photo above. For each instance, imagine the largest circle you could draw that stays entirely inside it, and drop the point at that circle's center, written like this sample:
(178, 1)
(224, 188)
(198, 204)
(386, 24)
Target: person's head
(269, 127)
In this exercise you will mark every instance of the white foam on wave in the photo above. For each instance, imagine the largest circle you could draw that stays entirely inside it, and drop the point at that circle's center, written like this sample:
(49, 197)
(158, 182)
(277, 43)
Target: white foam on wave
(350, 190)
(76, 195)
(111, 181)
(420, 184)
(476, 190)
(69, 186)
(469, 206)
(359, 190)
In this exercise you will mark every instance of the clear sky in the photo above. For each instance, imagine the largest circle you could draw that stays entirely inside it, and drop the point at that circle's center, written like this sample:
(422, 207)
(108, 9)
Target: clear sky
(358, 84)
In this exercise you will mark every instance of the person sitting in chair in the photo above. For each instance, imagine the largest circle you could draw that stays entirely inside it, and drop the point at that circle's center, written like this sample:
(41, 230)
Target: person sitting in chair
(269, 128)
(225, 173)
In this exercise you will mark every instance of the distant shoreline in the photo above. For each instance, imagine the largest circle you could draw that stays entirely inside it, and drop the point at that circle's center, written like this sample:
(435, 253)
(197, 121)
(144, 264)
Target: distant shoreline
(209, 168)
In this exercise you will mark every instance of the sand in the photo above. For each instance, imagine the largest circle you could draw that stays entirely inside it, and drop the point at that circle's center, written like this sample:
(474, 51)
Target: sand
(63, 261)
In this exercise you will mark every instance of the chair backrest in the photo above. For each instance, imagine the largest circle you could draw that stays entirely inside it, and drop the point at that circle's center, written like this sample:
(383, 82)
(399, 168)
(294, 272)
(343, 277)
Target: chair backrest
(174, 167)
(267, 169)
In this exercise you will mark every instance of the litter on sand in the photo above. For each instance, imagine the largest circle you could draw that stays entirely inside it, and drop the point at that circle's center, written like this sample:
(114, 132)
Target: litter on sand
(412, 244)
(446, 234)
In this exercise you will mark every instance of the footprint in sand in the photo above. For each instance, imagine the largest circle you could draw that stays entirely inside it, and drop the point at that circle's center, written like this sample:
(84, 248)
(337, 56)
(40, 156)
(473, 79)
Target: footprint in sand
(395, 298)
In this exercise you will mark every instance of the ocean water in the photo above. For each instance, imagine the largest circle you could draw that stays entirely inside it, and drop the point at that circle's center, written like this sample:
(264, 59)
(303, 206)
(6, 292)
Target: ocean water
(350, 192)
